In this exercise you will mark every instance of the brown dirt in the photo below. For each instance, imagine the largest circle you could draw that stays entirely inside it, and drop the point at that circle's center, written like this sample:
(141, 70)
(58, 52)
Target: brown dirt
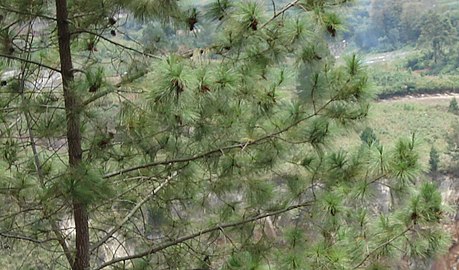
(423, 98)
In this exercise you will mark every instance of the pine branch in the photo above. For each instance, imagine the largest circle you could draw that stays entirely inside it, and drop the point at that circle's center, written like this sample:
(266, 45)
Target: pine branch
(202, 232)
(383, 245)
(26, 238)
(27, 13)
(6, 27)
(221, 150)
(98, 95)
(38, 165)
(61, 240)
(102, 94)
(282, 11)
(115, 43)
(29, 61)
(131, 214)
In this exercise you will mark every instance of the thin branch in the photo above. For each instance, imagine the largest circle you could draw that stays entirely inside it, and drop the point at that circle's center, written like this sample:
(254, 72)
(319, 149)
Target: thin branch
(219, 151)
(111, 89)
(282, 11)
(383, 245)
(9, 25)
(61, 240)
(274, 7)
(38, 165)
(26, 238)
(98, 95)
(29, 61)
(312, 94)
(27, 13)
(115, 43)
(200, 233)
(130, 215)
(179, 160)
(59, 237)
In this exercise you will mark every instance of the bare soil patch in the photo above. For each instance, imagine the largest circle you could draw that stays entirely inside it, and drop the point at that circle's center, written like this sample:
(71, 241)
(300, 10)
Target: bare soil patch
(423, 98)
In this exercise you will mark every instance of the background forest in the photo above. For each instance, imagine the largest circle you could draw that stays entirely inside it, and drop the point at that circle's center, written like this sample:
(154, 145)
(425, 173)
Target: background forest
(219, 134)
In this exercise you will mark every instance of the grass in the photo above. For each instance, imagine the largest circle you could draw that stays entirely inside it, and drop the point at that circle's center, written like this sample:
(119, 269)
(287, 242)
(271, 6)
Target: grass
(428, 118)
(391, 120)
(431, 121)
(425, 115)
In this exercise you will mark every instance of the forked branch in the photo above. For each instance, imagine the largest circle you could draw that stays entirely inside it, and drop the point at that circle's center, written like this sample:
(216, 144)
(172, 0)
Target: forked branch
(200, 233)
(130, 214)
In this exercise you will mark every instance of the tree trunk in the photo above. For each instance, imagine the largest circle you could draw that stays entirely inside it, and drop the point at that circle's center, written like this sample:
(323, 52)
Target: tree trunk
(80, 215)
(72, 109)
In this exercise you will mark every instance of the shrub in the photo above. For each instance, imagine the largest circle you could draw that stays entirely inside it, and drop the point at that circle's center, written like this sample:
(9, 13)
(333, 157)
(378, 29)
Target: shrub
(453, 107)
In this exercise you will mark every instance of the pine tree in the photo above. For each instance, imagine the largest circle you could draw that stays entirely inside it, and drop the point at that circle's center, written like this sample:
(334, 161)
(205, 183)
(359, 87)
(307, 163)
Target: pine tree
(453, 107)
(434, 159)
(204, 157)
(437, 36)
(368, 136)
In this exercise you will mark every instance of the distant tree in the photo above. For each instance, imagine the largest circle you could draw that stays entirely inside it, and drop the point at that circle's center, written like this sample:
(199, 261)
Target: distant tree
(453, 106)
(410, 20)
(391, 24)
(437, 35)
(434, 160)
(386, 22)
(453, 150)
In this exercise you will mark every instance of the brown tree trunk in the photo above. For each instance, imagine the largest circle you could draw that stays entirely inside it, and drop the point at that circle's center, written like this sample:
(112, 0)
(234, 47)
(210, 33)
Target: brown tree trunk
(72, 109)
(82, 237)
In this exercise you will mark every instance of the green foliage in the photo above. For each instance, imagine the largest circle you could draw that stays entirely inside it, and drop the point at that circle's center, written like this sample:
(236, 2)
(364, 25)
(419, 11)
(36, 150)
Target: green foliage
(218, 10)
(434, 160)
(144, 9)
(378, 266)
(437, 35)
(426, 206)
(405, 164)
(387, 25)
(368, 136)
(453, 107)
(399, 82)
(83, 184)
(453, 149)
(205, 154)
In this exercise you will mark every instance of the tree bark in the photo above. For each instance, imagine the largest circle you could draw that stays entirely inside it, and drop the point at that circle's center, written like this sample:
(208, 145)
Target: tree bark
(80, 215)
(72, 109)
